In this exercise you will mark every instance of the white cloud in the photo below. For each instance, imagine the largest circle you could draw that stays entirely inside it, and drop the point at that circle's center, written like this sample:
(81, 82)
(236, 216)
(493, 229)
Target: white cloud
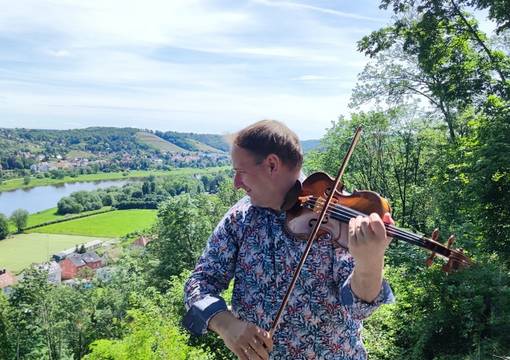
(139, 63)
(301, 6)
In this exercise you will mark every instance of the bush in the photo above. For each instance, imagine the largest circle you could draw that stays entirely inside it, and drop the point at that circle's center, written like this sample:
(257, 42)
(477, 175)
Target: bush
(20, 217)
(68, 205)
(4, 227)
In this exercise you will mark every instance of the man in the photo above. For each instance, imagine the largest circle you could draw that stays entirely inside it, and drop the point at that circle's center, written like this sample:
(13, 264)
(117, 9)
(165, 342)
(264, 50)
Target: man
(336, 290)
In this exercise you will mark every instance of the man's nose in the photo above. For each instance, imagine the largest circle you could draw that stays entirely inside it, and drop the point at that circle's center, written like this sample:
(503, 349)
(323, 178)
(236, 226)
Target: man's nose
(237, 181)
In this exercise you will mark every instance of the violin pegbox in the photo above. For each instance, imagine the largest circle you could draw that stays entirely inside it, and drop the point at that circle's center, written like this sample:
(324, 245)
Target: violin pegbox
(453, 263)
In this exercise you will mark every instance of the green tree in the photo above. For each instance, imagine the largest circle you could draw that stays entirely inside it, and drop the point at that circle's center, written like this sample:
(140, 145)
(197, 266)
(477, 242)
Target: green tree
(185, 223)
(19, 217)
(151, 336)
(4, 227)
(67, 205)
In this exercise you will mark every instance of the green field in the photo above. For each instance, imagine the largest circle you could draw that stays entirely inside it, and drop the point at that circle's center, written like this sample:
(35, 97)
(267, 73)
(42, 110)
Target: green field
(50, 215)
(19, 251)
(111, 224)
(17, 183)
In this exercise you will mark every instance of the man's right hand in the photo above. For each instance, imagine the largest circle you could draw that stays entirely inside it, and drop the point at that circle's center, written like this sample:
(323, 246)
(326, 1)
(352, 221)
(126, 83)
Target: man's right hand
(244, 339)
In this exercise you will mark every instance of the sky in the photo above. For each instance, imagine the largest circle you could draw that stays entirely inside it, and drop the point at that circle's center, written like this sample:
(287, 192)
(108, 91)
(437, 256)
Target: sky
(189, 65)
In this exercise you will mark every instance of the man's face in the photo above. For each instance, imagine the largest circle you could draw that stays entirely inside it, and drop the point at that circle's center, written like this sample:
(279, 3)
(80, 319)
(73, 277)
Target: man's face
(253, 177)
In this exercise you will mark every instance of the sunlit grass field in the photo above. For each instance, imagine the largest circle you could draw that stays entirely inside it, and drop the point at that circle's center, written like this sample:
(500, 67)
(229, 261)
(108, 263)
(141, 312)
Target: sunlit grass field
(50, 215)
(111, 224)
(19, 251)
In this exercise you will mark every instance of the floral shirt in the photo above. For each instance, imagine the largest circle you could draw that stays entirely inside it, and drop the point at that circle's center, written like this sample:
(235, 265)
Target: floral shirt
(323, 318)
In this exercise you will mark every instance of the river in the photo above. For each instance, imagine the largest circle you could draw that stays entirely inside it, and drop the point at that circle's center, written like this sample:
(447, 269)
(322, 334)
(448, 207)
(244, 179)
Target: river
(44, 197)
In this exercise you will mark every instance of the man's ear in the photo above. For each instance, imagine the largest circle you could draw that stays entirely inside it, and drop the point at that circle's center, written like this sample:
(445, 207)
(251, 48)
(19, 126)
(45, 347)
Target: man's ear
(273, 163)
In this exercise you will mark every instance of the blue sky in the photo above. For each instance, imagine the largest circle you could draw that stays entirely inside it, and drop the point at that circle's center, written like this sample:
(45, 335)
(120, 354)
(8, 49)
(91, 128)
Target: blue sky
(189, 65)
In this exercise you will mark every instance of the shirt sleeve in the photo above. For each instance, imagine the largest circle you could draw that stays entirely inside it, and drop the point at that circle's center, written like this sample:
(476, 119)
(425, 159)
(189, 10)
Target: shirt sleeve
(355, 306)
(359, 308)
(211, 276)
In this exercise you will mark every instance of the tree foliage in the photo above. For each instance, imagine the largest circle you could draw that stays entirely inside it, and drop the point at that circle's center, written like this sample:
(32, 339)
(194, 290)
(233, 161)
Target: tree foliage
(19, 217)
(4, 227)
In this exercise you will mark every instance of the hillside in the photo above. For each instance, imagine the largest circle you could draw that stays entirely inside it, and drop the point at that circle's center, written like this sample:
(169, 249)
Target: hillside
(24, 148)
(157, 143)
(125, 147)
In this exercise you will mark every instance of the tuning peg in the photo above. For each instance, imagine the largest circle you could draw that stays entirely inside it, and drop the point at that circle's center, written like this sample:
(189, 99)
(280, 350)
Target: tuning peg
(452, 264)
(430, 259)
(450, 241)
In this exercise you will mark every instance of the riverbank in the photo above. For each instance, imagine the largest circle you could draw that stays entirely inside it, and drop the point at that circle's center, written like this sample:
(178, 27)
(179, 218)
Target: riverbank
(18, 183)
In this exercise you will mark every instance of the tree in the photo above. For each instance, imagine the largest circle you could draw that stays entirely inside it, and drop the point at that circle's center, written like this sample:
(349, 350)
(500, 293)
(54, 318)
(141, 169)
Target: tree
(20, 217)
(26, 180)
(67, 205)
(184, 224)
(4, 227)
(434, 50)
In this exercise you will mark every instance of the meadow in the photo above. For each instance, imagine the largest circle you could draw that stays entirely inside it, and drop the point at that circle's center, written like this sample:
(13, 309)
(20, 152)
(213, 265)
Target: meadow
(19, 251)
(111, 224)
(47, 215)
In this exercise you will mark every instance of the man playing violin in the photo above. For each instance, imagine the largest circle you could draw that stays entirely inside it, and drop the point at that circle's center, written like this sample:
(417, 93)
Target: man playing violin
(336, 290)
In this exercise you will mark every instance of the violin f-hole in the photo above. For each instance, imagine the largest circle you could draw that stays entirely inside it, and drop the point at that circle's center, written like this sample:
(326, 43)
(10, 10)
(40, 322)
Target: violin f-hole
(312, 222)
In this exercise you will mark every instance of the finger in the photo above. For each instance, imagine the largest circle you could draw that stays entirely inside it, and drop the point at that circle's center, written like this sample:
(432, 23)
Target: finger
(358, 229)
(364, 226)
(253, 355)
(387, 219)
(377, 226)
(259, 348)
(242, 354)
(266, 339)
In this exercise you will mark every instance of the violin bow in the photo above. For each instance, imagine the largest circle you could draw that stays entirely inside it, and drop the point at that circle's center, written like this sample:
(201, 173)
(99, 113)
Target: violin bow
(315, 230)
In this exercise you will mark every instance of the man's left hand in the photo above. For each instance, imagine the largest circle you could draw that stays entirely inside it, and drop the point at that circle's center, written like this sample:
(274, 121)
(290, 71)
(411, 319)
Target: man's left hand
(367, 245)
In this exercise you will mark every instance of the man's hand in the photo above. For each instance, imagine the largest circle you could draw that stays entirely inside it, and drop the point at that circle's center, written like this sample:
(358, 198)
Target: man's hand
(244, 339)
(367, 245)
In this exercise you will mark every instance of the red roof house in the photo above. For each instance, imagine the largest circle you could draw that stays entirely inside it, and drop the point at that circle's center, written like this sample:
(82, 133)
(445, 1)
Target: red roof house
(142, 241)
(6, 279)
(73, 263)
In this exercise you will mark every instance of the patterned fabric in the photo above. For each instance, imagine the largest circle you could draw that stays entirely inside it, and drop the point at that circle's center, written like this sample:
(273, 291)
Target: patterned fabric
(323, 318)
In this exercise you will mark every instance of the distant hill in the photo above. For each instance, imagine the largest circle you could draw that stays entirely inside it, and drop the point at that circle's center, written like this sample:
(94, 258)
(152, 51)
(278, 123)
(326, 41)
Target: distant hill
(20, 148)
(191, 141)
(308, 145)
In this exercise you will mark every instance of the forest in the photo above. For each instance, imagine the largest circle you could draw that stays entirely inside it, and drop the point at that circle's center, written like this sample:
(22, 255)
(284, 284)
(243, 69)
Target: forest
(436, 145)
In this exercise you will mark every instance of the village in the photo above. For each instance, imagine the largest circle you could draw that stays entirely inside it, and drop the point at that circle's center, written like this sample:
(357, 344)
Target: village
(78, 265)
(41, 163)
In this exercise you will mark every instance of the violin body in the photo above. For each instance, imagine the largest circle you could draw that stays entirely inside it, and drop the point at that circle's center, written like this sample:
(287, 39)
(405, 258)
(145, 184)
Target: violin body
(300, 220)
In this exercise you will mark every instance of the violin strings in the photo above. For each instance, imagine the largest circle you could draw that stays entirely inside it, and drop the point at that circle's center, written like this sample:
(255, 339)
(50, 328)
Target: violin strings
(345, 214)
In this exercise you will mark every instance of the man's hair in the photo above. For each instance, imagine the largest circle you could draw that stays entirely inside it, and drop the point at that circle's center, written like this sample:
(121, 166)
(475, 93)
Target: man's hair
(271, 137)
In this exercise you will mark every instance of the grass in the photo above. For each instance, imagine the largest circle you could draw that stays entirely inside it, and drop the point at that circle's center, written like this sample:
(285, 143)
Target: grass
(50, 215)
(17, 183)
(157, 143)
(111, 224)
(19, 251)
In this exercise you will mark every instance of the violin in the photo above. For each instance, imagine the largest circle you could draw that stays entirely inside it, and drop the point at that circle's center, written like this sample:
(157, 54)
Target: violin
(318, 206)
(302, 216)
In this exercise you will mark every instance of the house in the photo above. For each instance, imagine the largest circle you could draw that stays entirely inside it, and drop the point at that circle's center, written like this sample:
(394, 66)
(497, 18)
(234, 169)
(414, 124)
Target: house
(53, 269)
(63, 254)
(142, 241)
(73, 263)
(92, 245)
(7, 279)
